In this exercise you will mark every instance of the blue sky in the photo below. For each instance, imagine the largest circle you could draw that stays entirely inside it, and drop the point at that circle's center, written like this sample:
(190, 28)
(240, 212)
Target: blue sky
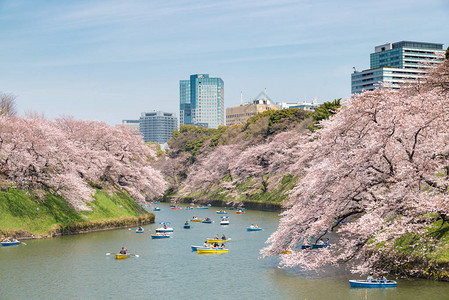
(111, 60)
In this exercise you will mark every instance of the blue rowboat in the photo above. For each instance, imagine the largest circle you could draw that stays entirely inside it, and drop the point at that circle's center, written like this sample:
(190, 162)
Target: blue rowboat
(140, 231)
(221, 212)
(253, 229)
(206, 221)
(157, 236)
(156, 209)
(194, 248)
(186, 226)
(202, 207)
(315, 246)
(372, 284)
(6, 244)
(231, 208)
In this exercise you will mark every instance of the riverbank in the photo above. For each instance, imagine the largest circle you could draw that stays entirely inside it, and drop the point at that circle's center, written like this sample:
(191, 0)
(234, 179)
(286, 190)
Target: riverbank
(248, 204)
(26, 215)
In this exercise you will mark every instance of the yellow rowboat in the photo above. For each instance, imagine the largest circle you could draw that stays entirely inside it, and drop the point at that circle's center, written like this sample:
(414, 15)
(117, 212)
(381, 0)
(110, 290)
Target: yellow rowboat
(211, 241)
(195, 220)
(122, 256)
(286, 252)
(211, 251)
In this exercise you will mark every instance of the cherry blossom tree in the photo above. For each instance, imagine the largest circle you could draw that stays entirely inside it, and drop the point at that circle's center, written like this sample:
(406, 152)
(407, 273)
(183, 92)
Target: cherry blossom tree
(382, 164)
(68, 157)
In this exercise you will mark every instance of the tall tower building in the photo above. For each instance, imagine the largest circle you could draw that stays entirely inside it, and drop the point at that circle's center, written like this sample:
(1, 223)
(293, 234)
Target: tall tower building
(396, 63)
(202, 101)
(157, 126)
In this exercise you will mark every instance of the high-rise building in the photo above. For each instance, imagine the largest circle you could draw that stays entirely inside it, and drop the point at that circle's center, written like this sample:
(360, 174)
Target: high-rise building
(396, 63)
(201, 101)
(240, 114)
(157, 126)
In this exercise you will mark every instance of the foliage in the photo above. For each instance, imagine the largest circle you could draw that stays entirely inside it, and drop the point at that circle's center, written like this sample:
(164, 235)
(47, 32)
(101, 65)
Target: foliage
(191, 139)
(375, 164)
(324, 112)
(277, 120)
(68, 157)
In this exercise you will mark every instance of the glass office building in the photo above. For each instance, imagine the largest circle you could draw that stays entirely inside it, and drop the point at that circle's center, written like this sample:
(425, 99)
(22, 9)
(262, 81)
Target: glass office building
(393, 64)
(157, 126)
(202, 101)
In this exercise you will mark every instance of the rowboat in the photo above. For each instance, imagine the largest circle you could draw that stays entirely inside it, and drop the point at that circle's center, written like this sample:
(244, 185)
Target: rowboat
(231, 208)
(195, 220)
(122, 256)
(202, 207)
(240, 212)
(186, 226)
(194, 248)
(159, 236)
(211, 241)
(162, 229)
(6, 244)
(156, 209)
(253, 229)
(286, 252)
(221, 212)
(211, 251)
(372, 284)
(207, 220)
(174, 207)
(314, 246)
(140, 231)
(224, 222)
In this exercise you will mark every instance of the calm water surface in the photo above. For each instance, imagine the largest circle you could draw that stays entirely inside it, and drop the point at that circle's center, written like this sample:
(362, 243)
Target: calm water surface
(76, 267)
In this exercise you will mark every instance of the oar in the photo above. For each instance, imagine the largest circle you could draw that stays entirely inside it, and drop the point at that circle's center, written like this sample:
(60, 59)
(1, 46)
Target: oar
(23, 243)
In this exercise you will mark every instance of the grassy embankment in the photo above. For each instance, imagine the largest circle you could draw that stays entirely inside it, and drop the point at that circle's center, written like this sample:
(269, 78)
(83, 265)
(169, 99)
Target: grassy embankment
(249, 193)
(427, 255)
(19, 215)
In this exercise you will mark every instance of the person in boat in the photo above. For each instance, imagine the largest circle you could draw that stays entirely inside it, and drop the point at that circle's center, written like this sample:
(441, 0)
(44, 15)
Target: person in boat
(123, 251)
(140, 228)
(252, 226)
(165, 226)
(320, 242)
(222, 246)
(216, 245)
(326, 242)
(223, 237)
(205, 244)
(164, 234)
(370, 278)
(216, 237)
(186, 223)
(256, 226)
(383, 279)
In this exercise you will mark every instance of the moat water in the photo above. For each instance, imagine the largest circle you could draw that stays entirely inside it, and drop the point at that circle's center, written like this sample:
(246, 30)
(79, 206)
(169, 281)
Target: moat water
(76, 267)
